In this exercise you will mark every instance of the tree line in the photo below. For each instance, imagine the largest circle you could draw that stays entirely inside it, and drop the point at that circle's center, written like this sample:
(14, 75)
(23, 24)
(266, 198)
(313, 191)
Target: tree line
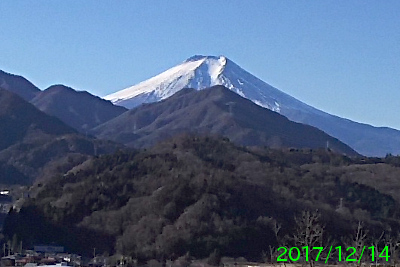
(206, 197)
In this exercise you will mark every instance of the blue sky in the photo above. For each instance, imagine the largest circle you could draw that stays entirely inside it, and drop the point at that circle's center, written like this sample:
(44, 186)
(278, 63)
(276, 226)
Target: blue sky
(339, 56)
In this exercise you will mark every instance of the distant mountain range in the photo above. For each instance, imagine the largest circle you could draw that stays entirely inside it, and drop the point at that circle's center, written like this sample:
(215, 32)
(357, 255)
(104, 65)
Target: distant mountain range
(78, 109)
(217, 111)
(194, 194)
(201, 72)
(47, 132)
(90, 114)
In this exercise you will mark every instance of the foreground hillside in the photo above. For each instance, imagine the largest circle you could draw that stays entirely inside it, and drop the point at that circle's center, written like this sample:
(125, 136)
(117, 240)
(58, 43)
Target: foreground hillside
(201, 195)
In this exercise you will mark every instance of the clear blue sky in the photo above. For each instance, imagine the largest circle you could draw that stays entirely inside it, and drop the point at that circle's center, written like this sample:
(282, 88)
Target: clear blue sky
(339, 56)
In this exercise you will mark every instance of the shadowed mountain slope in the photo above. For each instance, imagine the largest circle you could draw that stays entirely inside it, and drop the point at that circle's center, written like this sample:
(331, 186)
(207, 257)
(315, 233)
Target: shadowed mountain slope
(21, 121)
(18, 85)
(218, 111)
(32, 142)
(201, 72)
(80, 110)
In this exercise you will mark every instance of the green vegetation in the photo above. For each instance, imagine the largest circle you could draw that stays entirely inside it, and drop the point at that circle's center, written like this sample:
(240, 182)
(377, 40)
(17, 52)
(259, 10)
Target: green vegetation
(209, 198)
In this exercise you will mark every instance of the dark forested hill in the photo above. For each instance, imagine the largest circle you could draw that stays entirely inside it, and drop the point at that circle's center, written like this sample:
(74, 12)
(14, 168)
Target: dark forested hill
(201, 195)
(80, 110)
(21, 121)
(32, 142)
(218, 111)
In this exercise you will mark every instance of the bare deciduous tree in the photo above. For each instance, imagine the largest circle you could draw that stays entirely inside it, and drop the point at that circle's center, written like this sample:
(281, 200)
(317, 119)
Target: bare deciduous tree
(375, 243)
(357, 241)
(392, 241)
(309, 233)
(273, 254)
(276, 227)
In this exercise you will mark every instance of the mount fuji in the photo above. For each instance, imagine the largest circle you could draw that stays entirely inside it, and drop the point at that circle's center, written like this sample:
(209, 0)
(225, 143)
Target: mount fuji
(200, 72)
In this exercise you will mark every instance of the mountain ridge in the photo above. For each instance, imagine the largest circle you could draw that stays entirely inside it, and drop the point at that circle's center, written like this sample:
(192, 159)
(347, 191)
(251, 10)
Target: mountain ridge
(200, 72)
(18, 85)
(34, 144)
(78, 109)
(216, 110)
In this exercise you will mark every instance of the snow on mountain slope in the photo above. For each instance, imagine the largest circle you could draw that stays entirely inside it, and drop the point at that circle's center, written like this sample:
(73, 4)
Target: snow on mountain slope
(201, 72)
(160, 86)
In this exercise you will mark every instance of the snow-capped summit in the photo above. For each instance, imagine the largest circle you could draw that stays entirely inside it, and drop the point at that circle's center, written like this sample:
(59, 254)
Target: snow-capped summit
(197, 72)
(201, 72)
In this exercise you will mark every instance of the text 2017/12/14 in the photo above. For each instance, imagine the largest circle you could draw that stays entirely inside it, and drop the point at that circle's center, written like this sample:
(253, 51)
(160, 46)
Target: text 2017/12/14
(294, 253)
